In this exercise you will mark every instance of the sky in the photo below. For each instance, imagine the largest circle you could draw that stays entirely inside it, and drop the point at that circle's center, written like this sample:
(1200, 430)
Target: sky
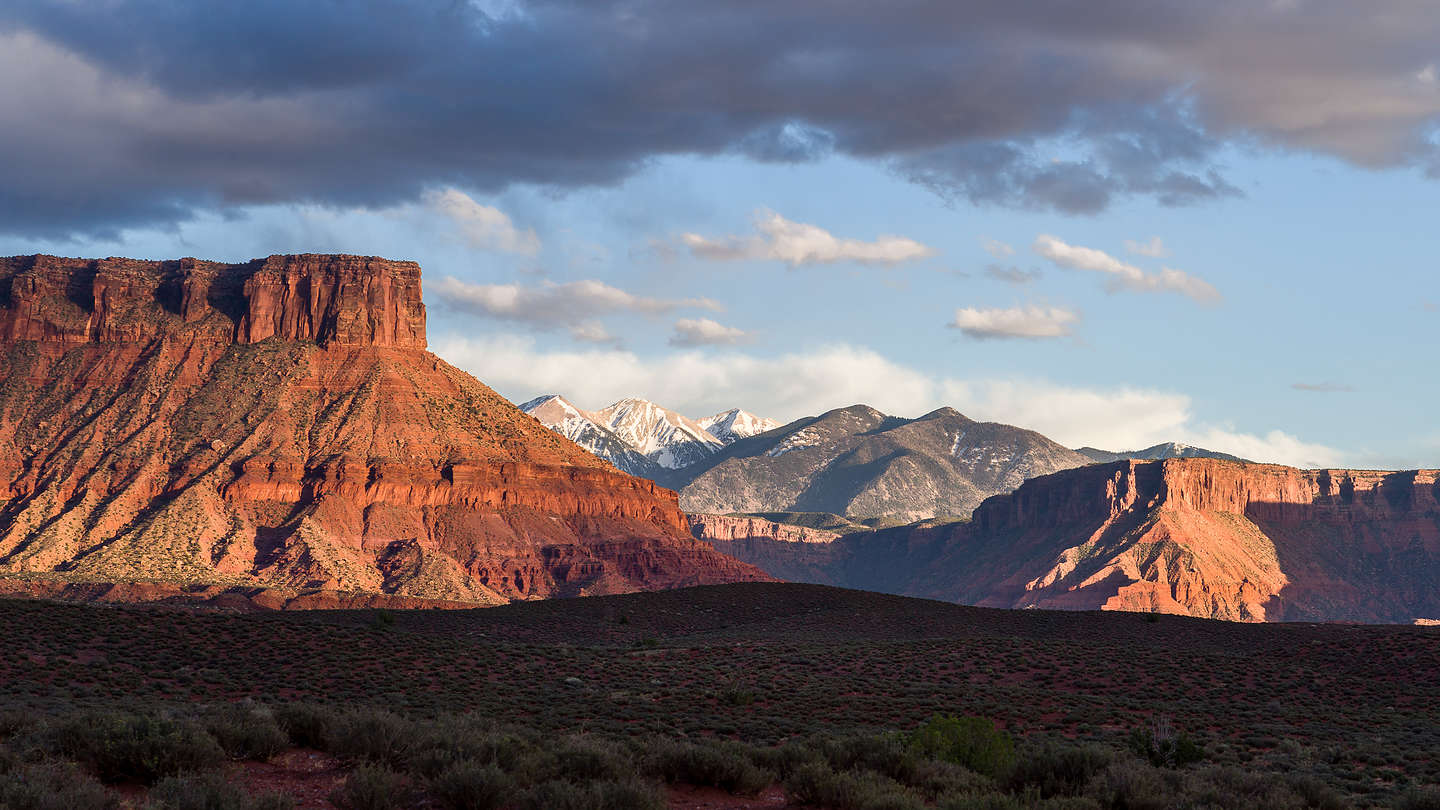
(1117, 223)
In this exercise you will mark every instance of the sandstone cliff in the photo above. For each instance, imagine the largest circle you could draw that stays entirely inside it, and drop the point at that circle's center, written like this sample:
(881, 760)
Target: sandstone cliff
(278, 424)
(1204, 537)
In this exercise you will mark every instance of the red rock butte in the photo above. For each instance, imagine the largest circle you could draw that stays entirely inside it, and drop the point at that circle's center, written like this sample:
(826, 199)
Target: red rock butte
(278, 425)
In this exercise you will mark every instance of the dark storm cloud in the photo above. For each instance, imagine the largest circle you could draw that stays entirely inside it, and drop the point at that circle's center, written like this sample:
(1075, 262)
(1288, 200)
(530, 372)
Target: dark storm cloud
(135, 112)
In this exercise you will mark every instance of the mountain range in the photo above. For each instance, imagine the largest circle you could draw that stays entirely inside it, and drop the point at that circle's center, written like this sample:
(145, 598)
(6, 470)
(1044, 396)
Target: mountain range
(855, 462)
(1158, 452)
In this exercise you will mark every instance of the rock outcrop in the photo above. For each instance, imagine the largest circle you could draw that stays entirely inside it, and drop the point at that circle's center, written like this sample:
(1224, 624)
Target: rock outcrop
(1202, 537)
(279, 425)
(791, 553)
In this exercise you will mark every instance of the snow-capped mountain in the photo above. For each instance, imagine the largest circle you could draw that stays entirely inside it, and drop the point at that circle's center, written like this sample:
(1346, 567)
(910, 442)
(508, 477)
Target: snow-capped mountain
(586, 429)
(737, 424)
(641, 437)
(661, 435)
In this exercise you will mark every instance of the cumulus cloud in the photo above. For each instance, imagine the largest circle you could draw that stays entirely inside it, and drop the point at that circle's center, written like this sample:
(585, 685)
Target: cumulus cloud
(797, 243)
(1029, 323)
(1323, 387)
(1154, 248)
(1123, 275)
(482, 226)
(572, 305)
(692, 332)
(371, 102)
(794, 384)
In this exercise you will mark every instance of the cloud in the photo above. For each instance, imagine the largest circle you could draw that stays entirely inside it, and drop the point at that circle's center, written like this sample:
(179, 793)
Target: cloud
(692, 332)
(1323, 387)
(482, 226)
(1155, 248)
(1011, 274)
(1122, 275)
(1030, 323)
(996, 248)
(797, 243)
(593, 332)
(371, 102)
(572, 305)
(790, 385)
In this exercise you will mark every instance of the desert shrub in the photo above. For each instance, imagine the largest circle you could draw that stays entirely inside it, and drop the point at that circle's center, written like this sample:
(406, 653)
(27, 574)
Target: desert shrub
(1163, 746)
(1319, 795)
(889, 754)
(371, 787)
(246, 730)
(471, 786)
(936, 779)
(726, 766)
(562, 794)
(1418, 799)
(371, 734)
(121, 747)
(1058, 770)
(1131, 785)
(211, 792)
(307, 725)
(456, 740)
(588, 759)
(51, 786)
(974, 742)
(1235, 789)
(816, 783)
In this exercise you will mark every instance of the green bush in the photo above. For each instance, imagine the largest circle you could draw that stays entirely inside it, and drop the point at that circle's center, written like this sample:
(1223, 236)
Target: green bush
(726, 766)
(211, 792)
(974, 742)
(371, 787)
(307, 725)
(246, 730)
(121, 747)
(471, 786)
(51, 786)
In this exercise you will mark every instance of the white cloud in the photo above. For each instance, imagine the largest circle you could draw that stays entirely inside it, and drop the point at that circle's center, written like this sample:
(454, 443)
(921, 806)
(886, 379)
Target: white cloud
(482, 226)
(691, 332)
(1123, 275)
(551, 305)
(593, 332)
(996, 248)
(797, 243)
(788, 386)
(1155, 248)
(1030, 322)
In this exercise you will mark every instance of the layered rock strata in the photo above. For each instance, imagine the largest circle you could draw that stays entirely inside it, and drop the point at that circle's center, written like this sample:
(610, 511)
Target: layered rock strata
(1203, 537)
(278, 424)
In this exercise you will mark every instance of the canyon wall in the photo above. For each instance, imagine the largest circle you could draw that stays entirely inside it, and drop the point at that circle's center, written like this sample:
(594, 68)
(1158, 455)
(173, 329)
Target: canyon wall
(278, 425)
(1203, 537)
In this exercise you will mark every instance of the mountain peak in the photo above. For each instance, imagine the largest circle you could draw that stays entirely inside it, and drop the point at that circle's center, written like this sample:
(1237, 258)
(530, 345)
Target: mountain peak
(729, 426)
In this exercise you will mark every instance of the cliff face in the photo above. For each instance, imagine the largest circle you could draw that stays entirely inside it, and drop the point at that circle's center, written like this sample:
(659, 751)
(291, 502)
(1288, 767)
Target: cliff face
(1203, 537)
(278, 424)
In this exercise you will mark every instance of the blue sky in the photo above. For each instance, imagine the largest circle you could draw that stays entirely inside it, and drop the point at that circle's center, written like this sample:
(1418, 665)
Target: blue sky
(664, 252)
